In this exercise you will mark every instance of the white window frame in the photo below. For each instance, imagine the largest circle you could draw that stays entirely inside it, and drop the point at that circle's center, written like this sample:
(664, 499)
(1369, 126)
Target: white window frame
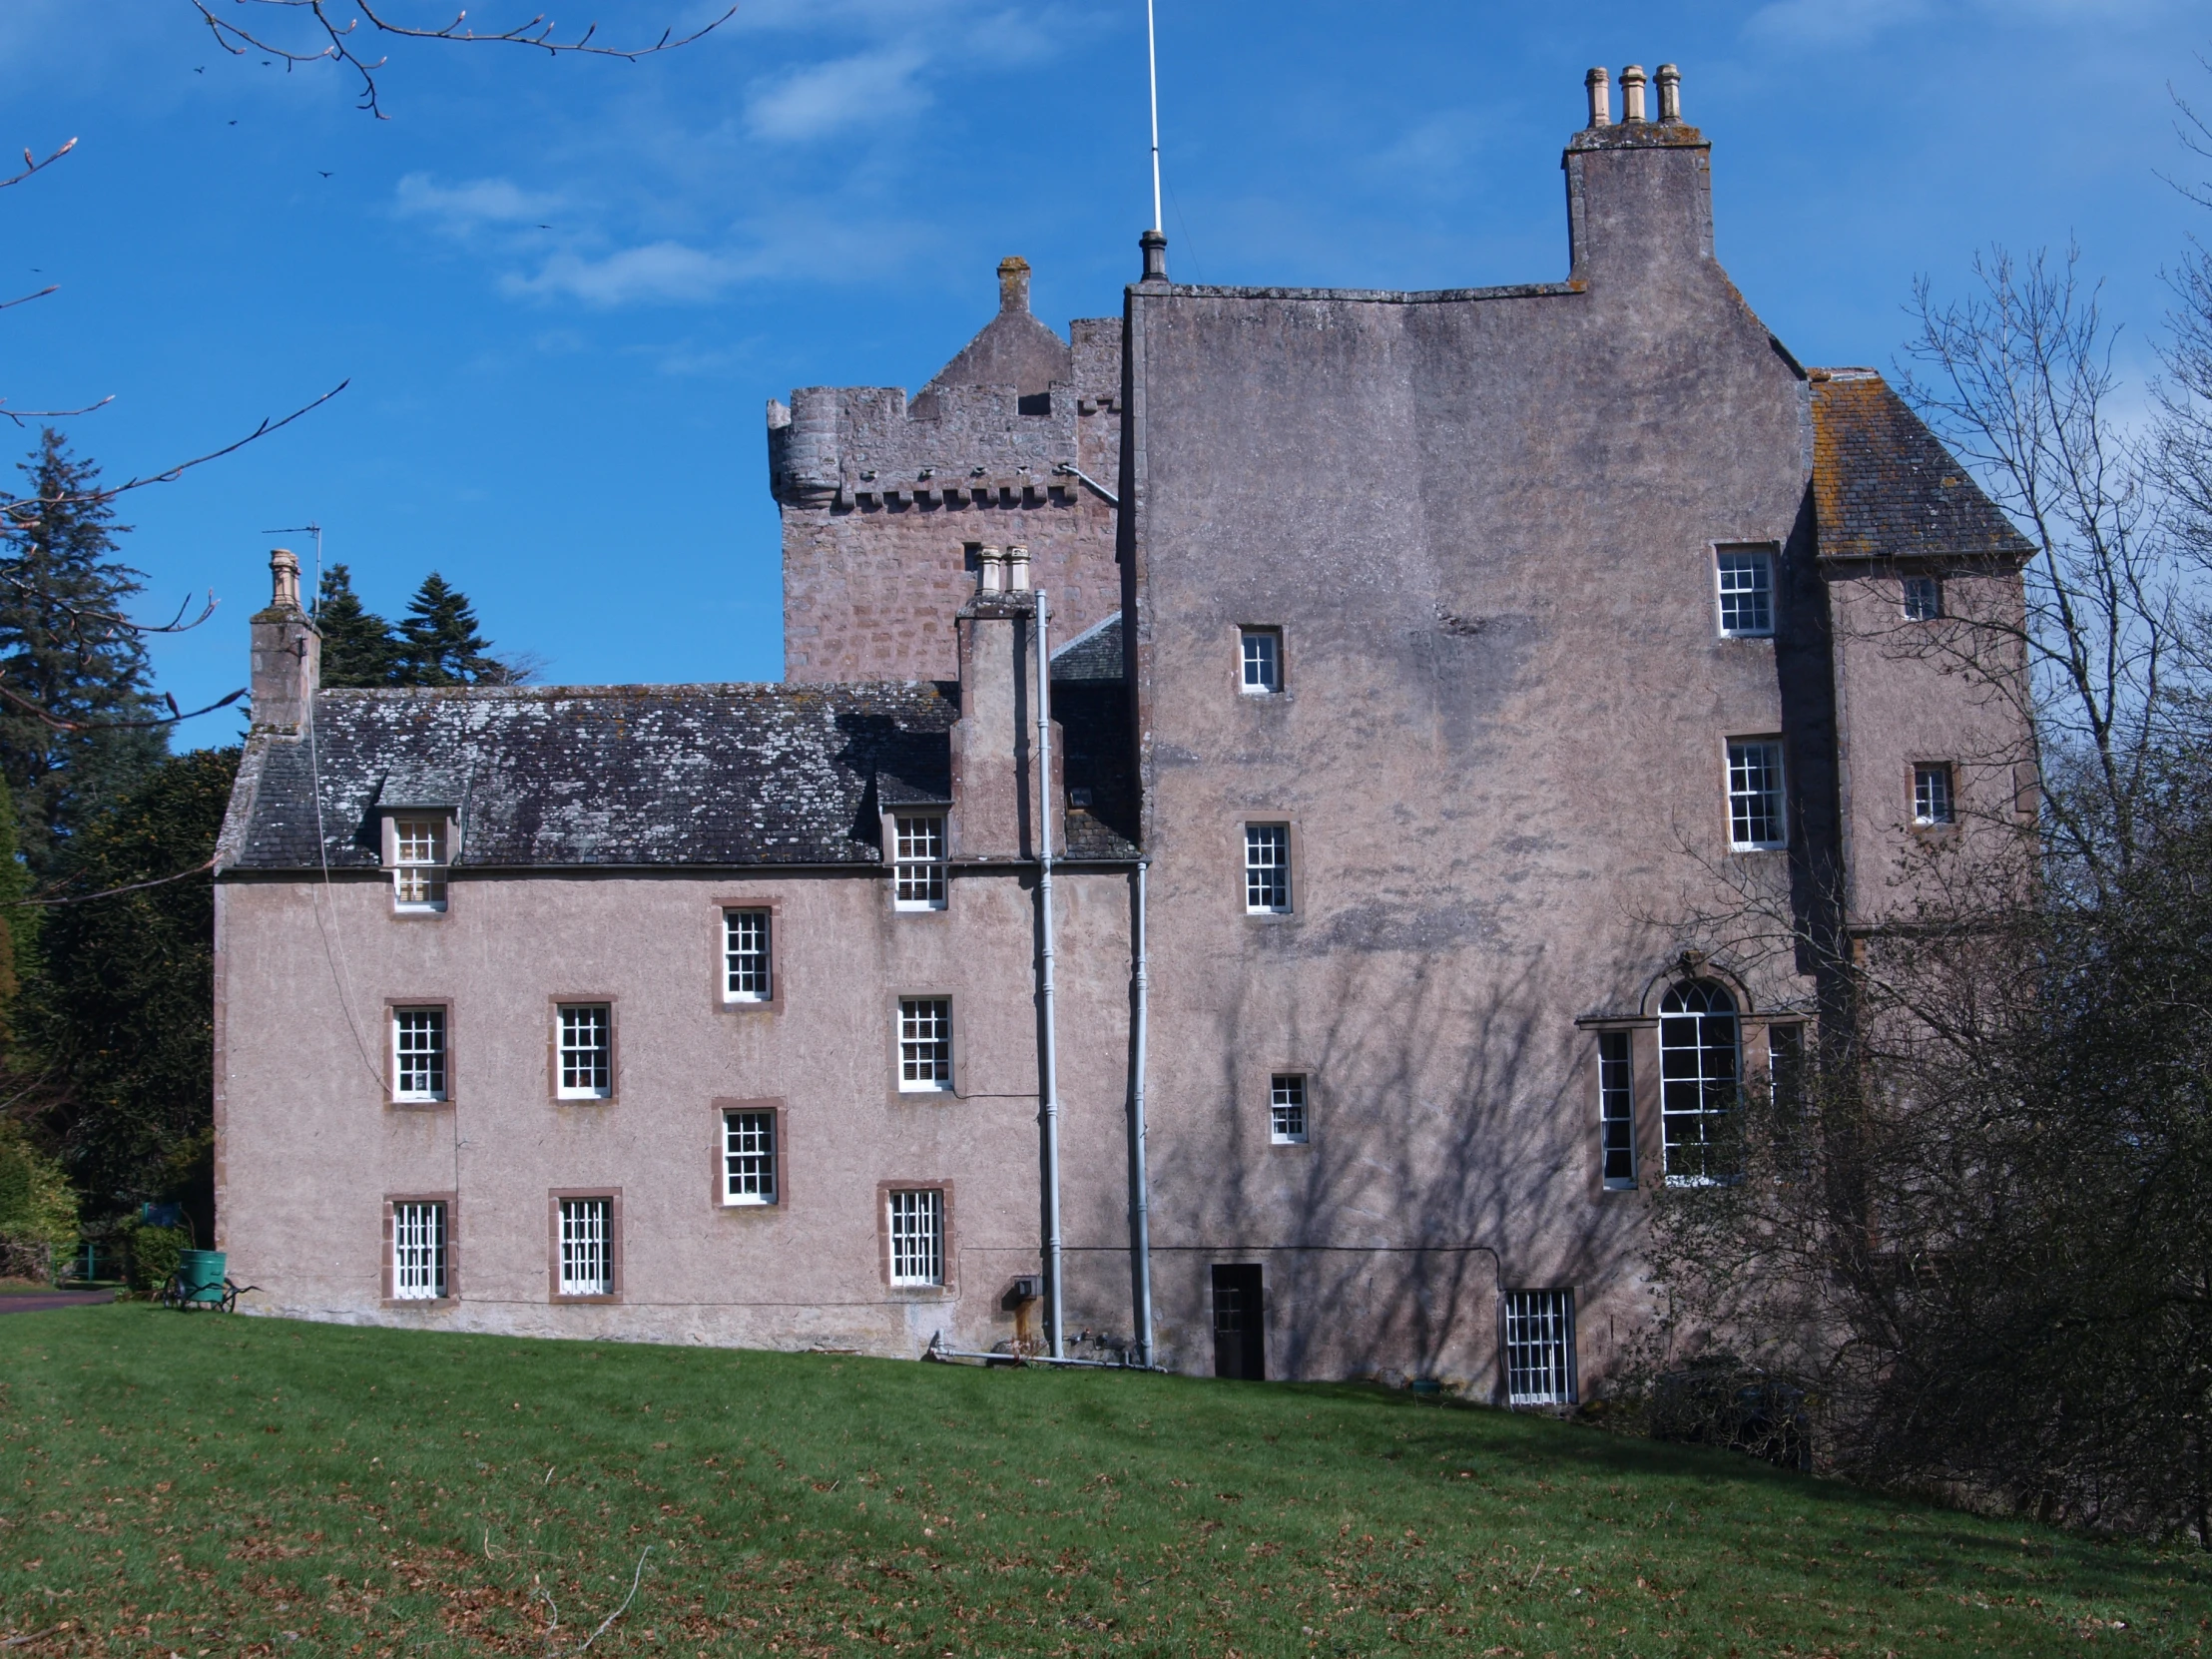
(1290, 1109)
(1935, 795)
(587, 1246)
(1758, 796)
(1616, 1110)
(1701, 1069)
(748, 1155)
(435, 1067)
(747, 954)
(419, 1256)
(925, 1034)
(917, 1220)
(421, 856)
(1259, 662)
(1921, 598)
(1539, 1348)
(1743, 585)
(918, 862)
(1267, 870)
(584, 1051)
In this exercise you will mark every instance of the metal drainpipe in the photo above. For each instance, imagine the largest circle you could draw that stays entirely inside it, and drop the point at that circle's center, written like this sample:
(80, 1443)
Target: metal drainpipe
(1140, 1194)
(1049, 1056)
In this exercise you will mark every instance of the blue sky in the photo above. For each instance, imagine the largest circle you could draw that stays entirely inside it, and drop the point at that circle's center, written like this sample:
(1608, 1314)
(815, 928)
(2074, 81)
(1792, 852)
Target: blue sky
(563, 289)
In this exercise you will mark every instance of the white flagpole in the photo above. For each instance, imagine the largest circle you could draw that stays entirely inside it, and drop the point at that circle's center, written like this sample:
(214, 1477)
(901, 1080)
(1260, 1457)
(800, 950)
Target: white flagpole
(1152, 62)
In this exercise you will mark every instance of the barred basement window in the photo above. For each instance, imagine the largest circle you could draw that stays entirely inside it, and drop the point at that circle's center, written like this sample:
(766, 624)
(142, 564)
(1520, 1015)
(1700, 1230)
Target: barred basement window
(1266, 869)
(418, 863)
(1924, 597)
(417, 1251)
(587, 1246)
(747, 970)
(1616, 1097)
(1286, 1108)
(917, 861)
(748, 1157)
(1539, 1348)
(1263, 662)
(587, 1051)
(925, 1044)
(1699, 1068)
(419, 1055)
(918, 1236)
(1932, 800)
(1756, 823)
(1746, 593)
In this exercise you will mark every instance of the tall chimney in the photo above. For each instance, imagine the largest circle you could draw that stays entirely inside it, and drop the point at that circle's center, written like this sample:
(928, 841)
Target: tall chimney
(1670, 93)
(287, 650)
(994, 742)
(1632, 94)
(1601, 97)
(1013, 283)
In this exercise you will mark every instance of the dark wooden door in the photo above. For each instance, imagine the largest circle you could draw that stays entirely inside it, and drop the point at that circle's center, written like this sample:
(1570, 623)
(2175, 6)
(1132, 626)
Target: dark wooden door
(1240, 1328)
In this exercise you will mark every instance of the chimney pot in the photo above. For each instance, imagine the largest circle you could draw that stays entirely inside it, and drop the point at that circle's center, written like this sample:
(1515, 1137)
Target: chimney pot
(1013, 283)
(988, 561)
(1155, 247)
(1632, 93)
(1670, 93)
(1601, 97)
(1017, 569)
(283, 579)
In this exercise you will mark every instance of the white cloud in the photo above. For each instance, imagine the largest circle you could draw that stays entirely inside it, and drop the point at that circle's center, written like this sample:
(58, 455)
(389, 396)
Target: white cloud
(826, 98)
(462, 209)
(657, 271)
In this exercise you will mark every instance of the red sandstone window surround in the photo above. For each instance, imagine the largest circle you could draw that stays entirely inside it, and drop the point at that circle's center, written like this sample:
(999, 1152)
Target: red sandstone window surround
(586, 1260)
(420, 1053)
(420, 1263)
(583, 1050)
(924, 1045)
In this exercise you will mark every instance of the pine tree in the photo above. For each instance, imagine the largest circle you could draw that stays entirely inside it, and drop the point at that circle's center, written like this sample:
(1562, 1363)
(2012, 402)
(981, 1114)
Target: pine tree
(358, 646)
(57, 578)
(439, 644)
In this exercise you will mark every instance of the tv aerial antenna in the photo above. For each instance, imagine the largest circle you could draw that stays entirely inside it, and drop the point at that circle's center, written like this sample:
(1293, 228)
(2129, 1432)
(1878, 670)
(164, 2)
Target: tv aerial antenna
(1151, 64)
(315, 530)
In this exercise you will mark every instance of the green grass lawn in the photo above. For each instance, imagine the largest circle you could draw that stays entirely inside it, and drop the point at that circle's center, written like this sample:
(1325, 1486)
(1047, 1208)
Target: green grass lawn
(196, 1485)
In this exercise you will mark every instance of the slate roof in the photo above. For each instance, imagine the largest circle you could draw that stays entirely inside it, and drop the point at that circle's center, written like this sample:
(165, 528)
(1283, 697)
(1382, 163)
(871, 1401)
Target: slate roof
(1885, 488)
(610, 776)
(1094, 654)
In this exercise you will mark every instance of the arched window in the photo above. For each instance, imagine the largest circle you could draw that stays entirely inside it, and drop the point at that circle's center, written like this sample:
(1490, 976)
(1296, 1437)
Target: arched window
(1700, 1063)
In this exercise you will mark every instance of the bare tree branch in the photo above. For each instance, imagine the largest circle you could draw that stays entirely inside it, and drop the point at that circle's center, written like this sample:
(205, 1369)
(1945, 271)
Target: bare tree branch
(30, 167)
(338, 41)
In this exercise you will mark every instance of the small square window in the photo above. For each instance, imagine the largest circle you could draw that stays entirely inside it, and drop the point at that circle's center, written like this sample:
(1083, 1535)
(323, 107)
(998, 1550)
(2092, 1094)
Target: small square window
(587, 1246)
(1755, 820)
(1539, 1348)
(418, 863)
(1746, 593)
(917, 861)
(748, 1157)
(918, 1236)
(419, 1055)
(1286, 1108)
(1266, 869)
(747, 973)
(1263, 662)
(924, 1045)
(418, 1252)
(587, 1044)
(1931, 796)
(1616, 1097)
(1924, 597)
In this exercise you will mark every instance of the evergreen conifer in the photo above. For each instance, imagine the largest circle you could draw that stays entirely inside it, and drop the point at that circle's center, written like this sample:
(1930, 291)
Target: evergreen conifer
(59, 577)
(358, 646)
(439, 644)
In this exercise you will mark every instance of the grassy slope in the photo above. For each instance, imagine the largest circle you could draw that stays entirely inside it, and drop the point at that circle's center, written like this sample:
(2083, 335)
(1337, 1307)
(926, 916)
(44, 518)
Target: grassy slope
(193, 1483)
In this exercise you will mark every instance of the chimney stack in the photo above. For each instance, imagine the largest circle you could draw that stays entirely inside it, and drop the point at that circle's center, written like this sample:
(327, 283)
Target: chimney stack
(1600, 87)
(287, 650)
(1632, 94)
(1013, 284)
(995, 793)
(1670, 93)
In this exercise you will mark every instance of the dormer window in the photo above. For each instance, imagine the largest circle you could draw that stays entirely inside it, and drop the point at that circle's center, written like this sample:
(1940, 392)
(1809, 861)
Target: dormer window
(418, 859)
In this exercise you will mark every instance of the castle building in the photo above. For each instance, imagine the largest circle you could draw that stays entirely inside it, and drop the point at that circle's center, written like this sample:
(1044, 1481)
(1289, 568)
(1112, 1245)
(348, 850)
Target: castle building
(1227, 876)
